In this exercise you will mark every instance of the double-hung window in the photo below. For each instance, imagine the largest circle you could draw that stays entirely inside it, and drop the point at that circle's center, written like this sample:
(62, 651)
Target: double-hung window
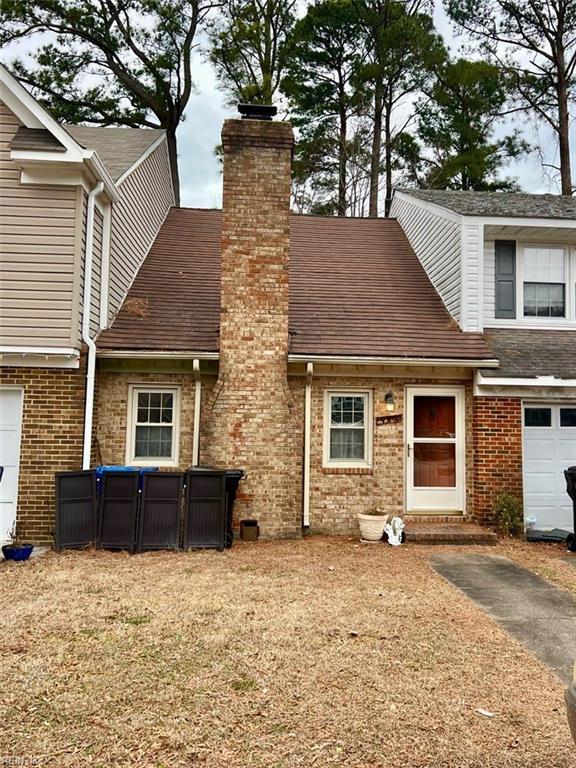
(347, 428)
(544, 271)
(153, 419)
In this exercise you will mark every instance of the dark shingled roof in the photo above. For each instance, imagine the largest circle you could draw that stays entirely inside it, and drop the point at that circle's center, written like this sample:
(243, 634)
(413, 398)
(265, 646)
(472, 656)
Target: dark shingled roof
(527, 353)
(356, 288)
(118, 148)
(509, 204)
(37, 139)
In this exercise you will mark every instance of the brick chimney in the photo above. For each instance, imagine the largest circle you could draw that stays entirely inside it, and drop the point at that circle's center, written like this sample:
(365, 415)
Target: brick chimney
(250, 424)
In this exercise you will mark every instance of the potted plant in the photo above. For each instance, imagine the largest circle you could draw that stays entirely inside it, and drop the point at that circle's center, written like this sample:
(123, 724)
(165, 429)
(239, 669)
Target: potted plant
(17, 549)
(372, 524)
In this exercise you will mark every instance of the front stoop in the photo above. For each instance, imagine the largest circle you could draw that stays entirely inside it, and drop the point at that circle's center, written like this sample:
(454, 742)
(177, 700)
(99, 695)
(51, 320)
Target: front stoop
(449, 533)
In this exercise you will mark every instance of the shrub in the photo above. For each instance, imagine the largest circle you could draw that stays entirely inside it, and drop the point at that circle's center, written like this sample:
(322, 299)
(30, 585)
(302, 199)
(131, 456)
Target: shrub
(509, 515)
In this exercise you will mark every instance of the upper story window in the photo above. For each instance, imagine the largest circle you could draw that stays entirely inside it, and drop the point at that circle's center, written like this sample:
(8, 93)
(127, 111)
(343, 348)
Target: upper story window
(531, 281)
(544, 281)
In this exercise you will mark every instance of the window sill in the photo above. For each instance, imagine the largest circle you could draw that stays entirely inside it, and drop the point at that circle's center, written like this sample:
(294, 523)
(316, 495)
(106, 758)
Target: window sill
(347, 471)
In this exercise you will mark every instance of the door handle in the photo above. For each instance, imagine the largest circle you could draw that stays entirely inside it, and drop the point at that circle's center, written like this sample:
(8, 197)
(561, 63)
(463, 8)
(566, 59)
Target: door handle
(408, 448)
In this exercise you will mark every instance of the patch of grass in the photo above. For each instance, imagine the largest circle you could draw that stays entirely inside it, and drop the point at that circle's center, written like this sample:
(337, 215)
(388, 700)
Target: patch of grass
(243, 684)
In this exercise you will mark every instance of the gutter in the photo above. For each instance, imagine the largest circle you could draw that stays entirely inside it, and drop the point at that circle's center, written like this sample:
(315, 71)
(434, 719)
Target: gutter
(86, 338)
(197, 413)
(393, 361)
(307, 439)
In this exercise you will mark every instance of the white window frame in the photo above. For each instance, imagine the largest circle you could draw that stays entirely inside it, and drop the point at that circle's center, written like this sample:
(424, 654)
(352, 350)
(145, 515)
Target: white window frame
(133, 391)
(569, 286)
(365, 463)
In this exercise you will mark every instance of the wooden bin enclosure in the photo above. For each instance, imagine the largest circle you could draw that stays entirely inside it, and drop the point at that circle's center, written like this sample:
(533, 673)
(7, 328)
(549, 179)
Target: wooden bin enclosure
(76, 510)
(119, 511)
(160, 511)
(136, 511)
(205, 517)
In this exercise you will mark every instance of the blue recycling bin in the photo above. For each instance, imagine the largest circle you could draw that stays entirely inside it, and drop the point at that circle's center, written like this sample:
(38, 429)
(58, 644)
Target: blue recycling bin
(110, 468)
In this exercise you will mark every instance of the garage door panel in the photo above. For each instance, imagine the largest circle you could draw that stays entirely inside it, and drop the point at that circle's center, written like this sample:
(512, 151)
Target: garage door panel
(9, 446)
(567, 449)
(548, 450)
(538, 448)
(10, 434)
(541, 484)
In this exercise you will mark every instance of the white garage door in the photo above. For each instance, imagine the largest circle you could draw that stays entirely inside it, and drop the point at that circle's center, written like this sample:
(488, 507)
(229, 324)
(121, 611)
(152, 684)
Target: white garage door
(10, 430)
(549, 448)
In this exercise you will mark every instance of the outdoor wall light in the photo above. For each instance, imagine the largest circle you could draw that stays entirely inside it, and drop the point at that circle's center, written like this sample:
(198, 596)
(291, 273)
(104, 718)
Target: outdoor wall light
(390, 401)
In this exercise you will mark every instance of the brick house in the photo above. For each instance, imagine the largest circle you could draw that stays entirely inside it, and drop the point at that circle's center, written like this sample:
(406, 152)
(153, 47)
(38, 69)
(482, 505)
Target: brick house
(343, 363)
(303, 349)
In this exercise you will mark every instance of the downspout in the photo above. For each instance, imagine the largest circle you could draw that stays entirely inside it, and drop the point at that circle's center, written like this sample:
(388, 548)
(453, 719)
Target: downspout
(86, 338)
(197, 412)
(307, 432)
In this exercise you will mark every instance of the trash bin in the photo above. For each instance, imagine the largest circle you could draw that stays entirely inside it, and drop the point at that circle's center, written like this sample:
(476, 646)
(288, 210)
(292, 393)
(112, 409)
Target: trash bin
(570, 475)
(210, 495)
(159, 519)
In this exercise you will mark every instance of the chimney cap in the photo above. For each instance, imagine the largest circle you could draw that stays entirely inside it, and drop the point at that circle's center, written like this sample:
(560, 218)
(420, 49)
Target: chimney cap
(257, 111)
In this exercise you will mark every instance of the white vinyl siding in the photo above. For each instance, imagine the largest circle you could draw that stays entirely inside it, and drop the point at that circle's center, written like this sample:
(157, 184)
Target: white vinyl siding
(437, 241)
(38, 241)
(146, 195)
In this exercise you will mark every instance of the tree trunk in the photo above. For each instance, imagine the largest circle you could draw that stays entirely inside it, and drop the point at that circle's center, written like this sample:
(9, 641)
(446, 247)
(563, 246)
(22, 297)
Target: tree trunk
(173, 155)
(564, 137)
(342, 163)
(375, 153)
(388, 157)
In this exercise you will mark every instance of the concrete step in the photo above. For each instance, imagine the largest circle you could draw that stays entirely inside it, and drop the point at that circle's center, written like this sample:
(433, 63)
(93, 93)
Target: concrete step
(448, 517)
(449, 533)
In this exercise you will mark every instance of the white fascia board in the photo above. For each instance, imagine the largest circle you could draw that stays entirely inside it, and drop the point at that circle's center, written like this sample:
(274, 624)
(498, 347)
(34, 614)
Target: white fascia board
(392, 361)
(40, 357)
(536, 381)
(130, 354)
(141, 159)
(521, 221)
(439, 210)
(58, 168)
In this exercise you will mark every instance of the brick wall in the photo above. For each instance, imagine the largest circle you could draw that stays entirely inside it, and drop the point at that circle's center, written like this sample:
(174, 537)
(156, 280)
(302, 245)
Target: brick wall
(338, 495)
(52, 434)
(497, 451)
(111, 412)
(251, 416)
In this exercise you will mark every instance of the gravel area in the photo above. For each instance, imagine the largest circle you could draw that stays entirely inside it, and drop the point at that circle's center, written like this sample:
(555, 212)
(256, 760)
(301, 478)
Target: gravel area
(320, 652)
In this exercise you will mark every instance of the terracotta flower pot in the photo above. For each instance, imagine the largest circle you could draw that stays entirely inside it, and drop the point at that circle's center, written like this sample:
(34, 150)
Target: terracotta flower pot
(372, 526)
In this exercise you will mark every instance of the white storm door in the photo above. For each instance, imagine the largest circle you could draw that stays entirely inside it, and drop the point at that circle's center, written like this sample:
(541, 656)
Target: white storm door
(435, 454)
(10, 432)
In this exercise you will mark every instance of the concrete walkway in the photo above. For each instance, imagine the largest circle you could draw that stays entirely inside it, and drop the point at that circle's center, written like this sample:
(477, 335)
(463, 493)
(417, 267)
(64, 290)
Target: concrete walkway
(538, 614)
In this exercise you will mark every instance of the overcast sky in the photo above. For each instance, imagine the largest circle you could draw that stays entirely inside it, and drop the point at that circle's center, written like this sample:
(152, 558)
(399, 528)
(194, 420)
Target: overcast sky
(200, 133)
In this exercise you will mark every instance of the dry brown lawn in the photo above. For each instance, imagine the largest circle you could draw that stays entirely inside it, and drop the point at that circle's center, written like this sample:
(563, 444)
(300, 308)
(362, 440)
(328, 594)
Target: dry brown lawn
(314, 653)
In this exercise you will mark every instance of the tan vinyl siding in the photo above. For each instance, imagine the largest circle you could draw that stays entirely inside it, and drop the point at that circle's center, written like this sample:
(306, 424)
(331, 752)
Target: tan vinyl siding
(437, 242)
(145, 197)
(37, 251)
